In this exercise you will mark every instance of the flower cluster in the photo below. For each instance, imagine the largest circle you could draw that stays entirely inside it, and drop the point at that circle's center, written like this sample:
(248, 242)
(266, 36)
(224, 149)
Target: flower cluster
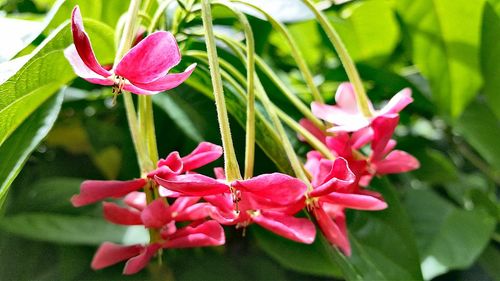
(182, 208)
(340, 183)
(269, 200)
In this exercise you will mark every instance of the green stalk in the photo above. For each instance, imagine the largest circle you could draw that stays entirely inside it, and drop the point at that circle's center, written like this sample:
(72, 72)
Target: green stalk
(230, 162)
(250, 65)
(233, 72)
(296, 53)
(347, 62)
(235, 46)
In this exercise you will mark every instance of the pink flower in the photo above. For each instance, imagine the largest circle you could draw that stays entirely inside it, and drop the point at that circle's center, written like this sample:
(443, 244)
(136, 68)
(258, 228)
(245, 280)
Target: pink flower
(331, 181)
(92, 191)
(269, 200)
(198, 234)
(143, 69)
(345, 114)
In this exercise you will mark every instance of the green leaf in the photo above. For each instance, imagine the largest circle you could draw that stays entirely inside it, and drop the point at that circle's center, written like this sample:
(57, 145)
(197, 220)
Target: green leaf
(15, 151)
(22, 32)
(383, 244)
(481, 128)
(190, 121)
(490, 56)
(42, 75)
(435, 167)
(281, 10)
(66, 229)
(311, 259)
(446, 48)
(369, 29)
(448, 237)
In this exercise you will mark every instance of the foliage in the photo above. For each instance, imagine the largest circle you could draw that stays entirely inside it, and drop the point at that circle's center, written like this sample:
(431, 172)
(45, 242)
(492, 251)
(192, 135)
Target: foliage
(56, 130)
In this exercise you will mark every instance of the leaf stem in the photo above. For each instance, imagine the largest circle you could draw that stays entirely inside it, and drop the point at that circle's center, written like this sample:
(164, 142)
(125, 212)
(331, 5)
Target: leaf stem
(230, 162)
(347, 62)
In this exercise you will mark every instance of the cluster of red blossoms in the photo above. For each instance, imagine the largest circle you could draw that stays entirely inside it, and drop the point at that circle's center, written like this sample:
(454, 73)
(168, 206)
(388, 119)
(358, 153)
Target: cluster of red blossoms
(188, 209)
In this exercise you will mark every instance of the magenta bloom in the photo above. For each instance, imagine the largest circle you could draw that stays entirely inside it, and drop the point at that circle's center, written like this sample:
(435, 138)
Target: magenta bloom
(269, 200)
(143, 70)
(345, 114)
(332, 182)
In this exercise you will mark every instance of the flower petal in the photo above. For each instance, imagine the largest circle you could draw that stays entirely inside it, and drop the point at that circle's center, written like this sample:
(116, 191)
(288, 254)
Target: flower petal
(82, 70)
(83, 46)
(166, 82)
(92, 191)
(168, 167)
(315, 131)
(297, 229)
(398, 102)
(151, 59)
(156, 214)
(119, 215)
(397, 162)
(136, 200)
(208, 233)
(203, 154)
(140, 261)
(355, 201)
(110, 253)
(383, 128)
(193, 185)
(345, 98)
(339, 176)
(332, 231)
(273, 189)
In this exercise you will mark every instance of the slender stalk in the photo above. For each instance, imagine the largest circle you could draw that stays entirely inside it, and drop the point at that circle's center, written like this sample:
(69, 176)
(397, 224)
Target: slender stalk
(236, 48)
(250, 66)
(347, 62)
(230, 162)
(156, 17)
(296, 53)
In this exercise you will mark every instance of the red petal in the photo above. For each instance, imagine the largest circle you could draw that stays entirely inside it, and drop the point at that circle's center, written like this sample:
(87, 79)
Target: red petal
(273, 189)
(297, 229)
(166, 82)
(203, 154)
(355, 201)
(397, 162)
(136, 200)
(119, 215)
(156, 214)
(82, 70)
(83, 46)
(92, 191)
(110, 253)
(332, 231)
(137, 263)
(339, 176)
(193, 185)
(383, 128)
(208, 233)
(398, 102)
(315, 131)
(168, 167)
(151, 59)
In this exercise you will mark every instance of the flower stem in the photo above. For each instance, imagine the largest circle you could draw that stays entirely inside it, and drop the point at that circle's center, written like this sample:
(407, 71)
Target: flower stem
(347, 62)
(296, 53)
(230, 162)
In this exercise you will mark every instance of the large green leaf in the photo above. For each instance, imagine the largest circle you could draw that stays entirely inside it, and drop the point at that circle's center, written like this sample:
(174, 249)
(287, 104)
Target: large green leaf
(490, 56)
(311, 259)
(383, 244)
(481, 128)
(448, 237)
(43, 74)
(66, 229)
(369, 29)
(446, 48)
(16, 150)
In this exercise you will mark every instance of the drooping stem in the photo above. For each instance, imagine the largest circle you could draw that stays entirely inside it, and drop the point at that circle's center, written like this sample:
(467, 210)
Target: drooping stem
(230, 162)
(250, 66)
(347, 62)
(296, 53)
